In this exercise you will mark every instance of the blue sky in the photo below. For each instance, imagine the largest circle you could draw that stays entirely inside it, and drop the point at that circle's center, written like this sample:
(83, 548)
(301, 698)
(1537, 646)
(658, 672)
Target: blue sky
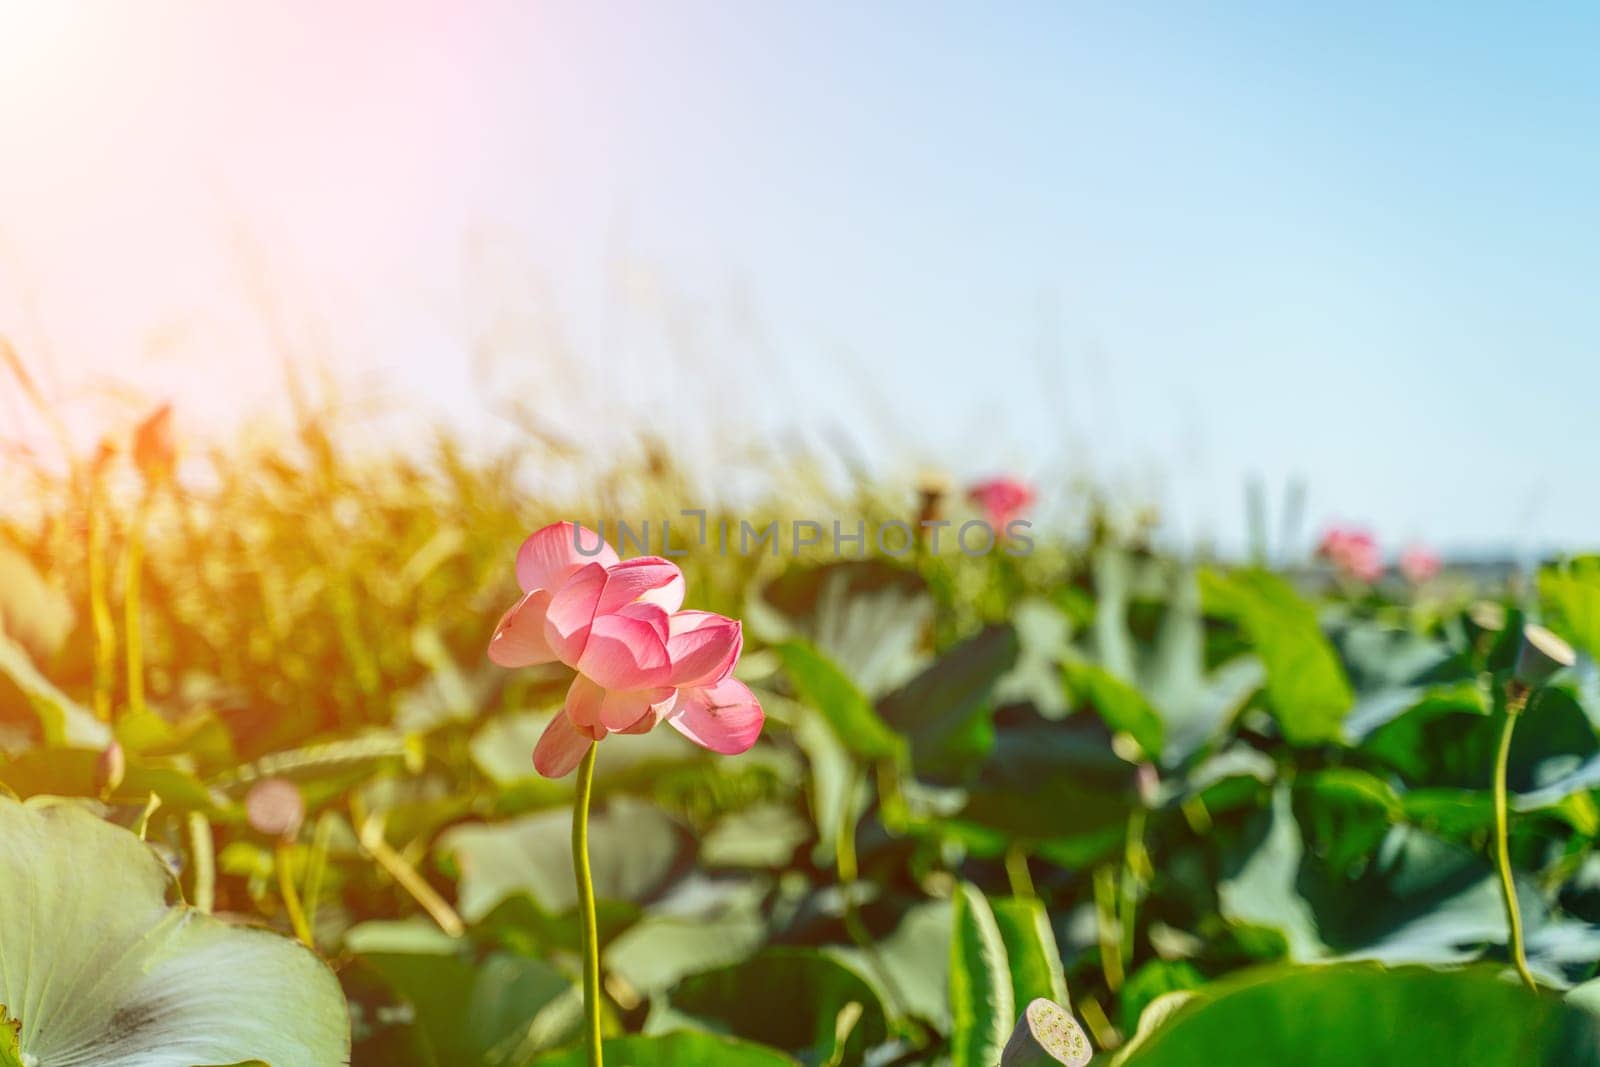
(1168, 248)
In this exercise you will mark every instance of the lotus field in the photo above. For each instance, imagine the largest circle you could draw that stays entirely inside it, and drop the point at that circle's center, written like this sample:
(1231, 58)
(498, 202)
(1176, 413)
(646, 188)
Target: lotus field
(314, 755)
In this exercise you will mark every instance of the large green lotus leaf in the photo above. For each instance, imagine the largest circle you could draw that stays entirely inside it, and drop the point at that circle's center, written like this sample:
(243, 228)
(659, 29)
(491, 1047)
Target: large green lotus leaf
(1044, 641)
(674, 1050)
(1406, 726)
(816, 987)
(1046, 780)
(1571, 596)
(702, 924)
(1586, 996)
(1114, 647)
(62, 720)
(76, 772)
(1393, 670)
(982, 1008)
(915, 959)
(1156, 979)
(1122, 706)
(1553, 738)
(519, 925)
(834, 785)
(1182, 703)
(867, 616)
(496, 1011)
(446, 694)
(1419, 900)
(1195, 699)
(765, 835)
(1262, 890)
(947, 711)
(1031, 950)
(633, 847)
(413, 936)
(99, 969)
(1345, 813)
(1581, 779)
(1363, 1015)
(1378, 657)
(821, 684)
(35, 613)
(1448, 738)
(348, 759)
(1306, 685)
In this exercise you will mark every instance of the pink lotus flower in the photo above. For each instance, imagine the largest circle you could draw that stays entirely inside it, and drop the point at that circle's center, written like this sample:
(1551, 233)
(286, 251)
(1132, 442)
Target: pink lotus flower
(1002, 500)
(1353, 551)
(1420, 564)
(639, 659)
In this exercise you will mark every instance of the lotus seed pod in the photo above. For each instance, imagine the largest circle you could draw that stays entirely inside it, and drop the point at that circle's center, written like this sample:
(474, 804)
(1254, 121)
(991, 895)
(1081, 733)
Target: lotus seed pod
(1488, 616)
(1542, 654)
(275, 808)
(932, 487)
(1045, 1036)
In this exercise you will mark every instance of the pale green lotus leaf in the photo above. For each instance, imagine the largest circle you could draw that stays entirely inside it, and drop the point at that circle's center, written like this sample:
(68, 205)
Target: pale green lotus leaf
(100, 970)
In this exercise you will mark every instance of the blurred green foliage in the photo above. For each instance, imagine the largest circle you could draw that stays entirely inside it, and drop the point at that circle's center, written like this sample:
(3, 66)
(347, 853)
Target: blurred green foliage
(1098, 774)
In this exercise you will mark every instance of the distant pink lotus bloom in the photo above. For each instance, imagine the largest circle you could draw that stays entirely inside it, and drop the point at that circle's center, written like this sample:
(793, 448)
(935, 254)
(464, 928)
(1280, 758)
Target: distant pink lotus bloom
(1353, 551)
(1420, 564)
(639, 659)
(1002, 500)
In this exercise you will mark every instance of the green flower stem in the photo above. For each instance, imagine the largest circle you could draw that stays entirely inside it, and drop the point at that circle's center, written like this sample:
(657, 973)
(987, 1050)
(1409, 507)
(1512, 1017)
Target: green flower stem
(1134, 874)
(1502, 836)
(591, 929)
(132, 607)
(891, 801)
(105, 631)
(1105, 907)
(317, 866)
(202, 852)
(395, 866)
(844, 851)
(291, 896)
(1017, 872)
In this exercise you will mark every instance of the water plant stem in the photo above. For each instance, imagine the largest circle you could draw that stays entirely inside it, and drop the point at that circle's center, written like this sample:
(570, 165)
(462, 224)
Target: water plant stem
(317, 866)
(105, 631)
(1508, 886)
(132, 605)
(395, 865)
(1134, 874)
(291, 895)
(1105, 906)
(591, 929)
(844, 852)
(202, 853)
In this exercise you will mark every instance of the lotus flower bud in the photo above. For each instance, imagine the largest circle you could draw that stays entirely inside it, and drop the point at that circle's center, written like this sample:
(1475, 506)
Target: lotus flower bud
(275, 808)
(1542, 654)
(154, 450)
(1045, 1036)
(1001, 500)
